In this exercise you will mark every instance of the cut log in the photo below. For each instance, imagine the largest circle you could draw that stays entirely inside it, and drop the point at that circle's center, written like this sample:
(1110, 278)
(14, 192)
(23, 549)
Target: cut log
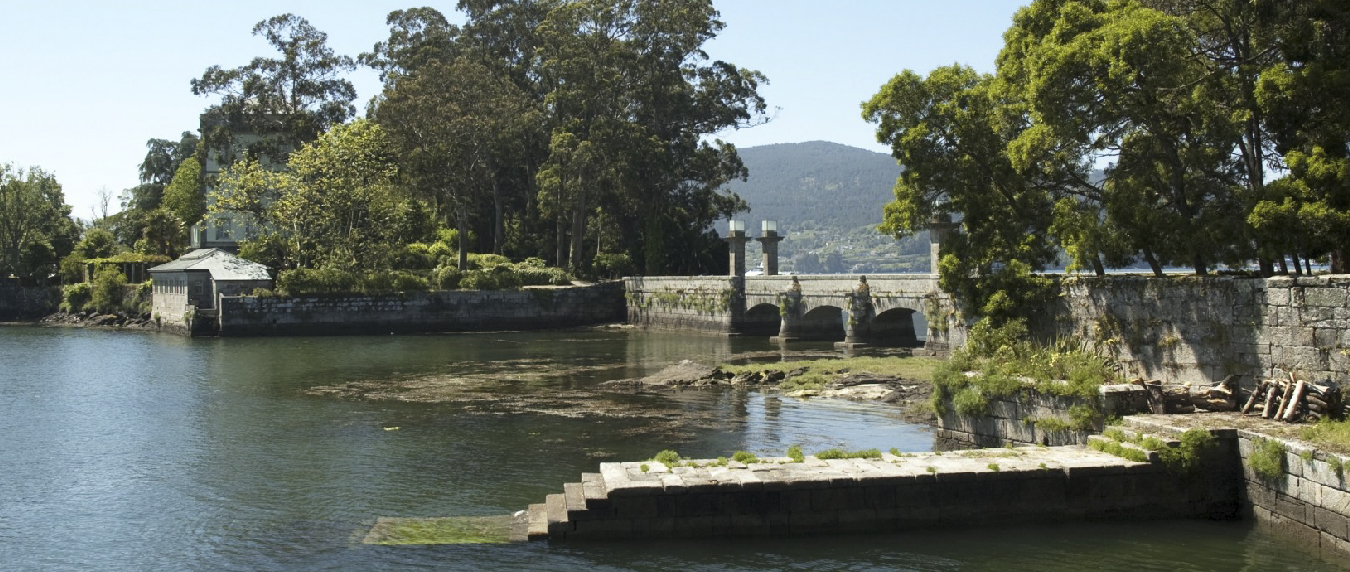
(1284, 400)
(1272, 399)
(1294, 398)
(1314, 400)
(1256, 395)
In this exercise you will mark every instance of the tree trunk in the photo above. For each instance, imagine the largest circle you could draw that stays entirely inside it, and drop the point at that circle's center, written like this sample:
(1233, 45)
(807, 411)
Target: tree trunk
(578, 231)
(561, 244)
(1097, 267)
(498, 230)
(1153, 262)
(1338, 265)
(462, 225)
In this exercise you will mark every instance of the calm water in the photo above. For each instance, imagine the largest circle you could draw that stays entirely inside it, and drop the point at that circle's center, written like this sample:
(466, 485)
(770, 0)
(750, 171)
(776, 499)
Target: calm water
(142, 452)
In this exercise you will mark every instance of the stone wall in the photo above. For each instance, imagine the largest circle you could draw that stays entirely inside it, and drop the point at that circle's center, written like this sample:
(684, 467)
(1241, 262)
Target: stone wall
(452, 311)
(1201, 329)
(1308, 501)
(1033, 418)
(704, 303)
(777, 497)
(20, 303)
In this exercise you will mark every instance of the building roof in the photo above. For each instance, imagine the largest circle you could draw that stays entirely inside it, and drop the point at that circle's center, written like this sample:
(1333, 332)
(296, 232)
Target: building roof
(221, 264)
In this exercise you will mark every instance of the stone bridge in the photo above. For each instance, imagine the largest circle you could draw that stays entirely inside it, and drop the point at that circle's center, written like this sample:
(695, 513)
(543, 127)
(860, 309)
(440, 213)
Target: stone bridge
(905, 310)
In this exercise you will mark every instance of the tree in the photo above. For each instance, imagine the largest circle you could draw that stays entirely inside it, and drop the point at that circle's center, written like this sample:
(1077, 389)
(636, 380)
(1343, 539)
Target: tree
(162, 160)
(36, 230)
(283, 102)
(951, 132)
(334, 206)
(1305, 103)
(451, 122)
(183, 197)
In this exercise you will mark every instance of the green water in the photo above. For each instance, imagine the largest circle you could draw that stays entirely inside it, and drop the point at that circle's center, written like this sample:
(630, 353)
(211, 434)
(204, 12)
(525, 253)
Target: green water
(132, 451)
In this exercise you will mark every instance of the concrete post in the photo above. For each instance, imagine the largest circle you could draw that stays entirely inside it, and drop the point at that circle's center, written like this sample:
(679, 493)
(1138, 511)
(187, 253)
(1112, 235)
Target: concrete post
(770, 242)
(940, 228)
(736, 240)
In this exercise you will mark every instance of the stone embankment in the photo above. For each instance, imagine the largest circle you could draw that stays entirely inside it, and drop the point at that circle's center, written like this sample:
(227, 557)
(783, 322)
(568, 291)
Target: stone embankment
(780, 497)
(119, 320)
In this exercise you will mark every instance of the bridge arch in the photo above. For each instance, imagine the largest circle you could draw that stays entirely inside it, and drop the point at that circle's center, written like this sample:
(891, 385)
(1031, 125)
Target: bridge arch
(762, 320)
(822, 323)
(895, 327)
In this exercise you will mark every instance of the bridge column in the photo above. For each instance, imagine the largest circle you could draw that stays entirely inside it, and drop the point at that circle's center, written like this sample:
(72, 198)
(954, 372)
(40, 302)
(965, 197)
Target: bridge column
(770, 242)
(791, 309)
(860, 316)
(940, 229)
(736, 239)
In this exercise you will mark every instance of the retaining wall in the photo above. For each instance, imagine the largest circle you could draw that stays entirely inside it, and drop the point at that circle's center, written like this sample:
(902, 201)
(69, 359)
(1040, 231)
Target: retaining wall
(451, 311)
(1025, 418)
(701, 303)
(1308, 501)
(20, 303)
(776, 497)
(1201, 329)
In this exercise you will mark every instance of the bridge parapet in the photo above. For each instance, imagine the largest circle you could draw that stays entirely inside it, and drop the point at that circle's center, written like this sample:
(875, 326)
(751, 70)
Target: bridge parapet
(821, 307)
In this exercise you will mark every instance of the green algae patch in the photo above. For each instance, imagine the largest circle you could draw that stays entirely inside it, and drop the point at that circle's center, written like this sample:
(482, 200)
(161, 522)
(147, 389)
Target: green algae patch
(448, 530)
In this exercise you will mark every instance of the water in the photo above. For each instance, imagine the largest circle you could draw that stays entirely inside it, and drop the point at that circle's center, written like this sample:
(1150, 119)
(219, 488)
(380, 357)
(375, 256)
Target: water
(129, 451)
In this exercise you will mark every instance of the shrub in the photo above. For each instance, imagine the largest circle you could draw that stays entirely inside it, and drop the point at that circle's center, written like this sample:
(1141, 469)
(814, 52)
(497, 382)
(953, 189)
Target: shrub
(611, 265)
(486, 261)
(75, 297)
(667, 457)
(446, 277)
(108, 290)
(1267, 458)
(795, 453)
(744, 457)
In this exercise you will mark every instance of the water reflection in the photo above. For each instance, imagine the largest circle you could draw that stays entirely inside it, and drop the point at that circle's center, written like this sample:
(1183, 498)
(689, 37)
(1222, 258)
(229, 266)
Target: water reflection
(152, 452)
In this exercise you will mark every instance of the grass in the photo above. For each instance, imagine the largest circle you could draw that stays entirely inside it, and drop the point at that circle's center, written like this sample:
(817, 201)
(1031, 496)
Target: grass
(744, 457)
(826, 371)
(455, 530)
(842, 454)
(667, 457)
(1329, 435)
(795, 453)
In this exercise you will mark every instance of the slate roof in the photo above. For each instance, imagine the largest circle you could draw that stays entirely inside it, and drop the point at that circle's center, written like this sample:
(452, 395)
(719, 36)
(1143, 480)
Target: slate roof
(221, 264)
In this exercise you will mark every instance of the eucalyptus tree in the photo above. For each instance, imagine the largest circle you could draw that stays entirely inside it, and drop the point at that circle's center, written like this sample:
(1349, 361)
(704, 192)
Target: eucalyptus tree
(451, 122)
(283, 102)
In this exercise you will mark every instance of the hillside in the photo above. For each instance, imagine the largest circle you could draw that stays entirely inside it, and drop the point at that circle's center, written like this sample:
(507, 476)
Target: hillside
(832, 185)
(828, 199)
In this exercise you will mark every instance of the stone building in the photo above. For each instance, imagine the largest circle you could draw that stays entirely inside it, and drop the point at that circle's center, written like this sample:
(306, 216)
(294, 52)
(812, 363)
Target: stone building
(193, 283)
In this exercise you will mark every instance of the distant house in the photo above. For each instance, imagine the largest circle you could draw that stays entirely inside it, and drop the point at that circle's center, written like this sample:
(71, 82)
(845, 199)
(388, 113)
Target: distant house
(196, 280)
(250, 135)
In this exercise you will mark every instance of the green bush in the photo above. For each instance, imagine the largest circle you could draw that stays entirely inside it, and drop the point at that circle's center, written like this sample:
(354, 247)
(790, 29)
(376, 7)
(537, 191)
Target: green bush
(611, 265)
(667, 457)
(744, 457)
(487, 261)
(446, 277)
(109, 289)
(795, 453)
(76, 297)
(1268, 458)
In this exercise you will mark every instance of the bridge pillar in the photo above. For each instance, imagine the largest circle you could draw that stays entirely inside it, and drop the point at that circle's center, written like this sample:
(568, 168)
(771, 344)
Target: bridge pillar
(736, 239)
(769, 243)
(860, 316)
(791, 309)
(940, 229)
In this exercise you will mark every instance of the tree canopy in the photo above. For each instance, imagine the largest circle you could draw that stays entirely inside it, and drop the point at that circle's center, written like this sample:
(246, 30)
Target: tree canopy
(1120, 129)
(36, 230)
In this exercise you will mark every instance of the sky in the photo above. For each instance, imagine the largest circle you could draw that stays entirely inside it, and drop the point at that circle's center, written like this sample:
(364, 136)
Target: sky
(86, 84)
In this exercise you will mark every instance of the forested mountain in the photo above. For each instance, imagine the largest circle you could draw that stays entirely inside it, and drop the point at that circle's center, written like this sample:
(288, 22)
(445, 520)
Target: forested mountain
(831, 185)
(828, 199)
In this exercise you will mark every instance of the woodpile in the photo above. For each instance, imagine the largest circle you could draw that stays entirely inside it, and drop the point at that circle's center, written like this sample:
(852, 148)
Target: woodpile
(1292, 400)
(1220, 397)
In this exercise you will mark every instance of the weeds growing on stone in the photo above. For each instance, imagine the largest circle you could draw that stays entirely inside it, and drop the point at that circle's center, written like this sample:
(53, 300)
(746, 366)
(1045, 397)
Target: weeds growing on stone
(795, 453)
(667, 457)
(842, 454)
(993, 467)
(1267, 458)
(744, 457)
(645, 468)
(1329, 435)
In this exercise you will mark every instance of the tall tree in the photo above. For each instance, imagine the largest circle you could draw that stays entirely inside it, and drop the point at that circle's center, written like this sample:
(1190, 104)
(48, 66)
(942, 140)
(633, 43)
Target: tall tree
(36, 230)
(162, 158)
(285, 101)
(451, 122)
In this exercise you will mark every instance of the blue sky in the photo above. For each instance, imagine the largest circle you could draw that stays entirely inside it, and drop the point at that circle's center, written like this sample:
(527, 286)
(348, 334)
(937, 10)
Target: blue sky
(87, 83)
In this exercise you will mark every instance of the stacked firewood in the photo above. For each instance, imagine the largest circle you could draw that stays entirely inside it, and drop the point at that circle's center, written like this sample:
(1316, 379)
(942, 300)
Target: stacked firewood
(1221, 396)
(1291, 400)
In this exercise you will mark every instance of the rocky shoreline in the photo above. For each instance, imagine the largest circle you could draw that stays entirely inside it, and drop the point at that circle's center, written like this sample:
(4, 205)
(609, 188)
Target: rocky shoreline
(118, 321)
(852, 385)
